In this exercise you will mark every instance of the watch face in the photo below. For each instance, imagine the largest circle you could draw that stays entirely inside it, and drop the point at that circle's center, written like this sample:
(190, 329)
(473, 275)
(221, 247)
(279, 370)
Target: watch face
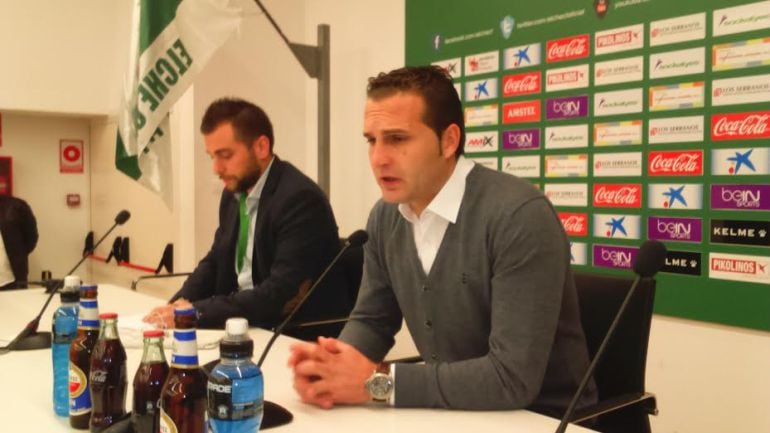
(380, 386)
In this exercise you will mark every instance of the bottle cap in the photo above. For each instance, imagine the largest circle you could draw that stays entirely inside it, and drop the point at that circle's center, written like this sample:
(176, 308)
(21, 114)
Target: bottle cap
(69, 296)
(88, 287)
(71, 282)
(236, 326)
(108, 316)
(153, 333)
(184, 311)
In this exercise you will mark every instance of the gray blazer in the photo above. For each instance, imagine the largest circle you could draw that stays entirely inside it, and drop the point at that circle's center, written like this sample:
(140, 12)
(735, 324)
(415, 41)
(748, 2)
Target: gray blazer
(496, 319)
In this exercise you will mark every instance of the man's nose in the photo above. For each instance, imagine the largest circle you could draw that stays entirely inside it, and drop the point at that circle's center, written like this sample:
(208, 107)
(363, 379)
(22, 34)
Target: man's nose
(378, 155)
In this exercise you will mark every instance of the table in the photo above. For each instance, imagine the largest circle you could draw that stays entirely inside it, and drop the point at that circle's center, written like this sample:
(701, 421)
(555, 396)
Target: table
(26, 378)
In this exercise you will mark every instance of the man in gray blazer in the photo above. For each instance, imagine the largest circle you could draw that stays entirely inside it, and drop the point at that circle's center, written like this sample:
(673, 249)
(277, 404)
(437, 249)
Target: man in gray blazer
(475, 261)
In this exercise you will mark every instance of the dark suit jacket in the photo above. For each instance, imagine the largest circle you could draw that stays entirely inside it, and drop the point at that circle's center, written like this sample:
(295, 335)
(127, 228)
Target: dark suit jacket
(295, 238)
(19, 231)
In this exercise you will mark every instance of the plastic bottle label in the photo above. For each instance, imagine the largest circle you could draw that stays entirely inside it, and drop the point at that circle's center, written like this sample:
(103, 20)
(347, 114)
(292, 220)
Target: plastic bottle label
(80, 398)
(166, 424)
(236, 400)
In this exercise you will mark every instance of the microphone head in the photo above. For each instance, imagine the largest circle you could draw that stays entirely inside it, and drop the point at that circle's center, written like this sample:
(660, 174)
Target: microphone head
(651, 257)
(122, 217)
(358, 238)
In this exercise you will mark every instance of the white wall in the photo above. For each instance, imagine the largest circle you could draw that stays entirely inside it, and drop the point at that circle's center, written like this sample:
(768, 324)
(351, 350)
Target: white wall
(33, 143)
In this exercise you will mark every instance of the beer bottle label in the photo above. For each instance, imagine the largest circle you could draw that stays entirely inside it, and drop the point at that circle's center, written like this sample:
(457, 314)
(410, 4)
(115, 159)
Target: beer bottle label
(80, 398)
(167, 424)
(185, 353)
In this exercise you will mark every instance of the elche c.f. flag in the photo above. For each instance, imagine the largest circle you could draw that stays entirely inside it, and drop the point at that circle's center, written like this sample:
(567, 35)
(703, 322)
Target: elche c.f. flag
(171, 41)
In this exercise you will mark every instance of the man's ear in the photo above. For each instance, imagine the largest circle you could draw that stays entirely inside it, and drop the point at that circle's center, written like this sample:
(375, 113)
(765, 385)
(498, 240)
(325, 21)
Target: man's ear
(261, 147)
(450, 140)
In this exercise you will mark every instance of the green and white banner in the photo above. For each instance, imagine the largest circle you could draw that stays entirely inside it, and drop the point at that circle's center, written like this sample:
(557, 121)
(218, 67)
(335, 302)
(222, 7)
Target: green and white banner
(171, 42)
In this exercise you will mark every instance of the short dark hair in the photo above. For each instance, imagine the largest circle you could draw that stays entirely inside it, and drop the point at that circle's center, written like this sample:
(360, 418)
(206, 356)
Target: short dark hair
(435, 86)
(248, 120)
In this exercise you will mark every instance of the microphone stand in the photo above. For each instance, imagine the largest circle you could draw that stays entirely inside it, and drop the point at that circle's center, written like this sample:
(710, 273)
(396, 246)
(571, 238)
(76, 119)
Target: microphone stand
(29, 338)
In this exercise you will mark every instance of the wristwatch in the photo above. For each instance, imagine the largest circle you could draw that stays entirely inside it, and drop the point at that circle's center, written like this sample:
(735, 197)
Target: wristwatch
(380, 384)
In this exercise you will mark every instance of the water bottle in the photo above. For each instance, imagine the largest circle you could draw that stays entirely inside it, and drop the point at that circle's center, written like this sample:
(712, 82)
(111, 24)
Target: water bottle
(235, 387)
(65, 328)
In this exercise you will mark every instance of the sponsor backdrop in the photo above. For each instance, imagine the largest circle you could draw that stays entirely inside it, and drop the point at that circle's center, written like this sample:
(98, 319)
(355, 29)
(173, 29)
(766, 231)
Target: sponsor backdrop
(638, 118)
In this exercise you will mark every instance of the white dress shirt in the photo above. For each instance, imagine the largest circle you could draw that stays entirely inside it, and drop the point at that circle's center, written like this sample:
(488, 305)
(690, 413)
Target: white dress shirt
(6, 273)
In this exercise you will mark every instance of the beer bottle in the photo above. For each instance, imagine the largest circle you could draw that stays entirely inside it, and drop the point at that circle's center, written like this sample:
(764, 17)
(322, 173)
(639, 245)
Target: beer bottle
(80, 357)
(107, 379)
(183, 398)
(148, 383)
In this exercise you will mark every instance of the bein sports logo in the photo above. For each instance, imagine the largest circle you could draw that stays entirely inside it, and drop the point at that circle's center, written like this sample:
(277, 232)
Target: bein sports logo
(675, 229)
(614, 257)
(742, 198)
(619, 259)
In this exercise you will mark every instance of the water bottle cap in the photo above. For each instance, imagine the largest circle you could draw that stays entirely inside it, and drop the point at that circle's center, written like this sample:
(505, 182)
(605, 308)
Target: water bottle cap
(71, 281)
(237, 326)
(108, 316)
(153, 333)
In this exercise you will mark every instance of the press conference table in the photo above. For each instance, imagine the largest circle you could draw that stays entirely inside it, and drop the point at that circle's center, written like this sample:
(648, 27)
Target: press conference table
(26, 380)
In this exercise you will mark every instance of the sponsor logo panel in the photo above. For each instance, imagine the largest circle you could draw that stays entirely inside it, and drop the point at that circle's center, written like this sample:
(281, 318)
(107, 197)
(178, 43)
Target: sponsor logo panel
(741, 90)
(675, 196)
(521, 112)
(620, 39)
(482, 141)
(750, 125)
(740, 162)
(610, 256)
(481, 115)
(617, 164)
(745, 18)
(566, 137)
(521, 84)
(677, 96)
(675, 130)
(676, 63)
(683, 263)
(566, 165)
(522, 56)
(678, 29)
(570, 107)
(578, 253)
(618, 102)
(482, 63)
(488, 162)
(619, 71)
(738, 55)
(481, 90)
(615, 226)
(571, 77)
(675, 229)
(618, 133)
(621, 195)
(567, 194)
(522, 166)
(739, 267)
(574, 47)
(675, 163)
(740, 197)
(574, 223)
(452, 66)
(740, 232)
(521, 139)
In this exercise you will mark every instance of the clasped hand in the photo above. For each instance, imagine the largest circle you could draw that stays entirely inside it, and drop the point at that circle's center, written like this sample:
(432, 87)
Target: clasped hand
(330, 372)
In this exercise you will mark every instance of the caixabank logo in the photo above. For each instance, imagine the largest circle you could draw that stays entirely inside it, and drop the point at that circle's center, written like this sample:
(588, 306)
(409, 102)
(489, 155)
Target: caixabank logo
(740, 232)
(675, 196)
(739, 267)
(522, 56)
(683, 263)
(740, 162)
(615, 226)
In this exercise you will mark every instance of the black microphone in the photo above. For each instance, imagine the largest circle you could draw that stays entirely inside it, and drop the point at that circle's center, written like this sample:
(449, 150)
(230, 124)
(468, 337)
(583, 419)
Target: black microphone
(358, 238)
(651, 257)
(29, 338)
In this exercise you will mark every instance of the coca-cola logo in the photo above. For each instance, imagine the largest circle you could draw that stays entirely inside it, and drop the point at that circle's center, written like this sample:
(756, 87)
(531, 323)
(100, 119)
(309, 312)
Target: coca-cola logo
(734, 126)
(618, 195)
(521, 84)
(567, 49)
(574, 224)
(676, 163)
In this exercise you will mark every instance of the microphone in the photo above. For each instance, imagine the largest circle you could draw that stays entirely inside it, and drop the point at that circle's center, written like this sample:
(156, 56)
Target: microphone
(29, 338)
(651, 257)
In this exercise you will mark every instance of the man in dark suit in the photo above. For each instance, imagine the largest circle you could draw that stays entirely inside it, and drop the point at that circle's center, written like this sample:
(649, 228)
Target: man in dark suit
(19, 235)
(276, 231)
